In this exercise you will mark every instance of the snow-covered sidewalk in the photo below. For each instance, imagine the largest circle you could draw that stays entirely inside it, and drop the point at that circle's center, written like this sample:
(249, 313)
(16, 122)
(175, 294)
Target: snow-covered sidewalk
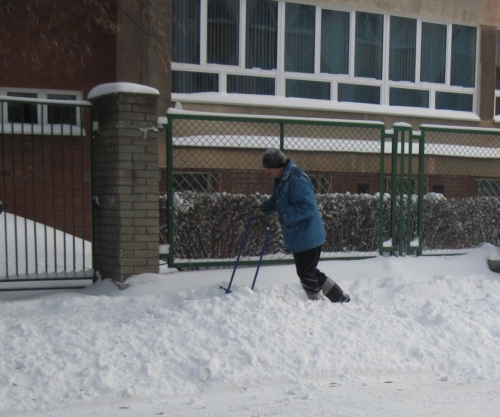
(420, 337)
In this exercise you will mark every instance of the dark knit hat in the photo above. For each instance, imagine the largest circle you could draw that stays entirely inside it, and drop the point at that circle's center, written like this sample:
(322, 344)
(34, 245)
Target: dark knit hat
(274, 158)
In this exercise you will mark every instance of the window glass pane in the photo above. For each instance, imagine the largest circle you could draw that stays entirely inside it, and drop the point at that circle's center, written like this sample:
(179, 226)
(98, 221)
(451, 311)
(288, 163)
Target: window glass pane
(186, 31)
(243, 84)
(194, 82)
(22, 112)
(497, 106)
(300, 24)
(402, 49)
(261, 42)
(369, 41)
(409, 98)
(223, 32)
(61, 114)
(453, 101)
(308, 89)
(433, 61)
(463, 56)
(334, 42)
(359, 93)
(498, 61)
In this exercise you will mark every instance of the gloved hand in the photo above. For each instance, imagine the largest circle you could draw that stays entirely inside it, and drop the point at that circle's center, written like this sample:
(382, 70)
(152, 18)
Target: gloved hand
(258, 213)
(276, 220)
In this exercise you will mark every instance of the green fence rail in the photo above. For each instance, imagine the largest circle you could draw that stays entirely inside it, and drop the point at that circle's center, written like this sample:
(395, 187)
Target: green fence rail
(379, 191)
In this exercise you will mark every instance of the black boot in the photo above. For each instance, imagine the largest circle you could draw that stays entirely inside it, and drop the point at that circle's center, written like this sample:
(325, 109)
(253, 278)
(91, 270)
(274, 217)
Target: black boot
(334, 293)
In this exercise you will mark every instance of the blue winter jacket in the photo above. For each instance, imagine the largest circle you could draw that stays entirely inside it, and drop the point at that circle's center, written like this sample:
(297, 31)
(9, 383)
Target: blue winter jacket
(293, 198)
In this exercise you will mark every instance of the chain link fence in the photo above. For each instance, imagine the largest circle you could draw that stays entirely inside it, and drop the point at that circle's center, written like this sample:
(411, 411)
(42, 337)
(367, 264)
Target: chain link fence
(215, 180)
(440, 186)
(462, 207)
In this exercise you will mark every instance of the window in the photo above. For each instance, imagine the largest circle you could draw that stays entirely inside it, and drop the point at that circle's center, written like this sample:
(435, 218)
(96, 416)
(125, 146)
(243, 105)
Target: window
(300, 26)
(243, 84)
(262, 34)
(363, 188)
(24, 111)
(277, 48)
(186, 34)
(438, 189)
(463, 56)
(369, 44)
(61, 114)
(320, 183)
(409, 98)
(308, 89)
(433, 55)
(401, 186)
(223, 32)
(194, 82)
(192, 181)
(402, 49)
(335, 42)
(488, 188)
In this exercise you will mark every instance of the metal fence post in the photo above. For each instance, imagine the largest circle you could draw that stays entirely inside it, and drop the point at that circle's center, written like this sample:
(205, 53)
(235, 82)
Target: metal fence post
(170, 192)
(421, 171)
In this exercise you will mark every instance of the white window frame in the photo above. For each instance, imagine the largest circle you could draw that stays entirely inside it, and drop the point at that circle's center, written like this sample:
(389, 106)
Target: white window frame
(42, 126)
(281, 76)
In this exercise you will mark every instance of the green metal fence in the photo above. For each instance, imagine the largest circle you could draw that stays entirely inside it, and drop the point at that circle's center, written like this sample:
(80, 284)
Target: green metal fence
(215, 179)
(461, 209)
(439, 186)
(45, 193)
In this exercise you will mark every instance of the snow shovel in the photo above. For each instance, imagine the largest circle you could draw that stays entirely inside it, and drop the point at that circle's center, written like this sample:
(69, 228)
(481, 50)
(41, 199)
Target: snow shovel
(268, 233)
(243, 244)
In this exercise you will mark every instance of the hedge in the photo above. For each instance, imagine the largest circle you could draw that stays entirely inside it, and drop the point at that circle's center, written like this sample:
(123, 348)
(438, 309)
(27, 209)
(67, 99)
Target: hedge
(211, 226)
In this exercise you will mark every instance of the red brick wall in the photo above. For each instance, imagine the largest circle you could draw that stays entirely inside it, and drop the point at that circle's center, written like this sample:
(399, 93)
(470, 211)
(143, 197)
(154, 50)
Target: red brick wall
(252, 181)
(85, 55)
(47, 179)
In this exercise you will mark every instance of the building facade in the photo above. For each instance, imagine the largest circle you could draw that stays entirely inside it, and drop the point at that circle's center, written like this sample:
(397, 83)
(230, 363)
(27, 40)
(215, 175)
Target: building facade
(413, 61)
(419, 62)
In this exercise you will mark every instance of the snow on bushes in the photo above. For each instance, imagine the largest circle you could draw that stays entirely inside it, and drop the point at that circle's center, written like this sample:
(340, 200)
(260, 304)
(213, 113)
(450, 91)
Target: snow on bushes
(211, 226)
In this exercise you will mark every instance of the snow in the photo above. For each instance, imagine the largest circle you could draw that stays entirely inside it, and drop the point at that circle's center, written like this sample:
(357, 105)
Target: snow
(121, 87)
(328, 105)
(39, 249)
(420, 337)
(180, 112)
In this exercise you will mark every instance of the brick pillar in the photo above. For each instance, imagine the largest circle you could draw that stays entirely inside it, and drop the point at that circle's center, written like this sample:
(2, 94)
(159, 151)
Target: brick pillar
(125, 180)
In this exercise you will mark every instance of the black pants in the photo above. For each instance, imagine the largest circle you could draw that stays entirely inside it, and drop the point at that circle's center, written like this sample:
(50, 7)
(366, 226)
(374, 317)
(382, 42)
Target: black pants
(310, 276)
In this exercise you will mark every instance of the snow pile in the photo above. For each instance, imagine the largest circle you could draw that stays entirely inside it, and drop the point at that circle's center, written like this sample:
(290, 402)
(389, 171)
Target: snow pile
(178, 333)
